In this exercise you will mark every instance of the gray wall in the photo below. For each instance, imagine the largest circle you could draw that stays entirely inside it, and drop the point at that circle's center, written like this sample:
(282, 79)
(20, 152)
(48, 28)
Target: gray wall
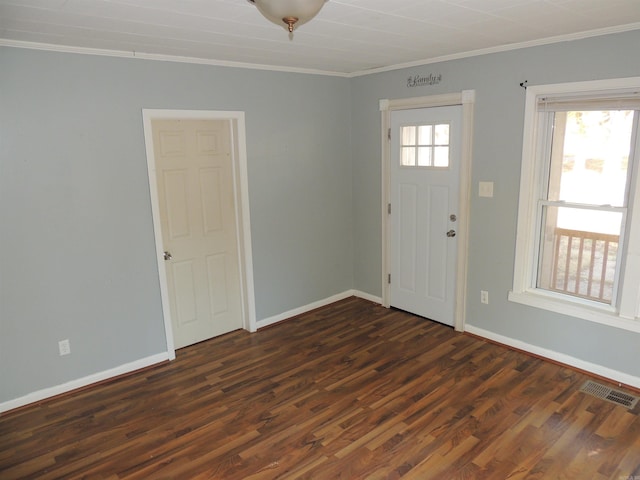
(497, 150)
(76, 231)
(75, 219)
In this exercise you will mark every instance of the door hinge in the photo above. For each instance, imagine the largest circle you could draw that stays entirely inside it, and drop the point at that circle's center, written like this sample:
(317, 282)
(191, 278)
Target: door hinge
(389, 208)
(389, 279)
(389, 134)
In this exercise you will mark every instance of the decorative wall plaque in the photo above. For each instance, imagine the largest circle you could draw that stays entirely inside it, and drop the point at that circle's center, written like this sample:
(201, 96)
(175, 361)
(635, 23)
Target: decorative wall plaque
(424, 80)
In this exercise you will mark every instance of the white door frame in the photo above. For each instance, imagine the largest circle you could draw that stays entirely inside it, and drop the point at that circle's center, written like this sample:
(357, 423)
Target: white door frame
(241, 202)
(466, 98)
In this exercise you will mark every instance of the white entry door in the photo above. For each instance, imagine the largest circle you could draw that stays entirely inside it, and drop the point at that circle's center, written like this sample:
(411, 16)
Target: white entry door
(425, 175)
(194, 172)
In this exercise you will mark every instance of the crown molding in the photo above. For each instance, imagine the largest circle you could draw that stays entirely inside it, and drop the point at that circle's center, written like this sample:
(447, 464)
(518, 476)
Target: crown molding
(309, 71)
(162, 58)
(503, 48)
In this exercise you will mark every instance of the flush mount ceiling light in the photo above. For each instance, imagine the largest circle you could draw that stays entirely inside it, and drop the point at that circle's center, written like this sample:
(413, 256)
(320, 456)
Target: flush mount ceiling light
(291, 13)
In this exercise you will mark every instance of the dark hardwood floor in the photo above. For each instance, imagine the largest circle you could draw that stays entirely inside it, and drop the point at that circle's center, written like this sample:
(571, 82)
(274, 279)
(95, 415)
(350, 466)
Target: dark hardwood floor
(348, 391)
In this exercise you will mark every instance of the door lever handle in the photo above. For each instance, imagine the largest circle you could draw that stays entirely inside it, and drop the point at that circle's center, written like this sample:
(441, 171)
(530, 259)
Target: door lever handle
(167, 256)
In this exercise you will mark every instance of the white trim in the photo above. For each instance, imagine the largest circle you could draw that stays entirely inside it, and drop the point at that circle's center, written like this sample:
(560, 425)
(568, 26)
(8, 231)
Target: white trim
(162, 357)
(312, 306)
(83, 382)
(468, 99)
(532, 171)
(385, 199)
(615, 375)
(442, 100)
(465, 98)
(502, 48)
(605, 315)
(584, 87)
(241, 194)
(222, 63)
(169, 355)
(164, 58)
(244, 226)
(367, 296)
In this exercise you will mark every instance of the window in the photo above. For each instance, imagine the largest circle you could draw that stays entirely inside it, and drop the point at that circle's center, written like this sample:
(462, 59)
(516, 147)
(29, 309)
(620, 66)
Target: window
(585, 203)
(425, 145)
(575, 252)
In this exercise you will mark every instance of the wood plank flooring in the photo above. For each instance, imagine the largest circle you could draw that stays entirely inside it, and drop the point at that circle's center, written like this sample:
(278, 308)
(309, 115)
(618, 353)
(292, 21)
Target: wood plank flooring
(348, 391)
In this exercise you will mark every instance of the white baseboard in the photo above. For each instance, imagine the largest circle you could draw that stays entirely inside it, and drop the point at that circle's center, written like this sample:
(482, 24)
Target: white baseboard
(82, 382)
(161, 357)
(312, 306)
(599, 370)
(367, 296)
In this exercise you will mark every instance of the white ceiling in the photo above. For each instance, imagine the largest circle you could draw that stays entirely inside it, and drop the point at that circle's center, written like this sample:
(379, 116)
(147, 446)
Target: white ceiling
(348, 37)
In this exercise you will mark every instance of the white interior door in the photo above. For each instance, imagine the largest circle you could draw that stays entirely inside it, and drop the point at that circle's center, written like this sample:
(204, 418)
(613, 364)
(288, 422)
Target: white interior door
(424, 192)
(194, 172)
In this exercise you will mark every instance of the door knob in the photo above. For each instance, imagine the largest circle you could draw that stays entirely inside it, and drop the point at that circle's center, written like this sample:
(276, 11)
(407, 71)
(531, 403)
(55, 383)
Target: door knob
(167, 256)
(451, 233)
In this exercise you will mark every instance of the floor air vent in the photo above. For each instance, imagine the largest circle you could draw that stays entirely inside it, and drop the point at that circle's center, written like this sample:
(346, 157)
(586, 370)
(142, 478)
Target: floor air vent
(609, 394)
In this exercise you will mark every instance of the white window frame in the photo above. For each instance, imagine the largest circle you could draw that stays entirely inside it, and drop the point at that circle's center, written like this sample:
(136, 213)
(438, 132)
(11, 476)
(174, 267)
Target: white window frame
(625, 313)
(432, 145)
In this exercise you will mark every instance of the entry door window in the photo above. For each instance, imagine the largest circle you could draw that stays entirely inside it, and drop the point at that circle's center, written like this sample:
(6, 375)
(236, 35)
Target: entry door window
(425, 145)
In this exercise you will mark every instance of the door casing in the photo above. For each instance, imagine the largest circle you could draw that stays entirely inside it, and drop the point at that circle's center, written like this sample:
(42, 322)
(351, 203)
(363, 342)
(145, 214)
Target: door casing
(241, 201)
(466, 98)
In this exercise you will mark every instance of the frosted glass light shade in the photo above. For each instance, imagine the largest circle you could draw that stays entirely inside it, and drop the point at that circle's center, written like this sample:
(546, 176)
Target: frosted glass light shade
(288, 13)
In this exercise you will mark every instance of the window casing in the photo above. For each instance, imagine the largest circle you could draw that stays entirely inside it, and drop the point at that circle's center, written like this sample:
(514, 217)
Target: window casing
(576, 243)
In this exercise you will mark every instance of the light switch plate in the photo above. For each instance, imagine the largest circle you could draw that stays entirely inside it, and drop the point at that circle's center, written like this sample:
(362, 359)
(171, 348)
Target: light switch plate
(485, 189)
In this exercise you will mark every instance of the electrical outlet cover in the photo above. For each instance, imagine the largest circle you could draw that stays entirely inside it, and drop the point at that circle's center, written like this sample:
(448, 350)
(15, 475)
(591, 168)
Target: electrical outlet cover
(484, 296)
(64, 347)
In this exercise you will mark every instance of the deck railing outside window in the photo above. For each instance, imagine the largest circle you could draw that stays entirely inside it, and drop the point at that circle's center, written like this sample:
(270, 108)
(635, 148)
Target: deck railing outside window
(584, 264)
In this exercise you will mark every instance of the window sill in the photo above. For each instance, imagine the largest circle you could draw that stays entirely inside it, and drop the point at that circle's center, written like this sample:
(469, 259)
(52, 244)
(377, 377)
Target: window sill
(604, 315)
